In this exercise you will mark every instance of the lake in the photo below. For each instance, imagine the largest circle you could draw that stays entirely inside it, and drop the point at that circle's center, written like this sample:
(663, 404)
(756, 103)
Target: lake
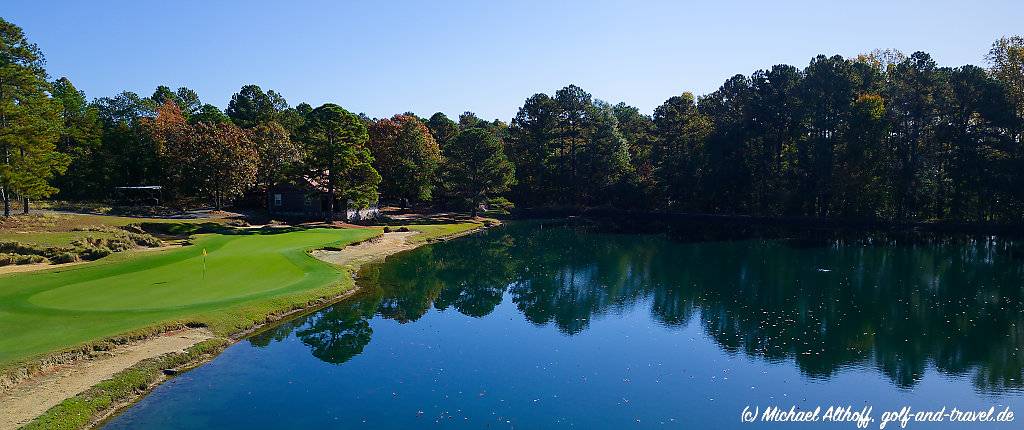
(536, 326)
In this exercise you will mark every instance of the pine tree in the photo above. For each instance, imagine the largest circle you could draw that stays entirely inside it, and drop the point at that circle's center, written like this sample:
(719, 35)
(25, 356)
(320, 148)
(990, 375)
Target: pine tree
(30, 123)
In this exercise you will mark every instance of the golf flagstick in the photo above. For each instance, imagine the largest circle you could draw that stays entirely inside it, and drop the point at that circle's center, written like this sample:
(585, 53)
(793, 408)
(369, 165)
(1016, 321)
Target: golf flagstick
(204, 264)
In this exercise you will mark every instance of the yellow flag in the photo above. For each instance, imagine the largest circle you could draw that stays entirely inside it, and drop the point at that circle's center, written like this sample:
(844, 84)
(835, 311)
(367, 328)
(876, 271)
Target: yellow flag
(204, 252)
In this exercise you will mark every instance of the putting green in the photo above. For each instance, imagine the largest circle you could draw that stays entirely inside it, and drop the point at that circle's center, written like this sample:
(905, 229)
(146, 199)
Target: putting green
(48, 311)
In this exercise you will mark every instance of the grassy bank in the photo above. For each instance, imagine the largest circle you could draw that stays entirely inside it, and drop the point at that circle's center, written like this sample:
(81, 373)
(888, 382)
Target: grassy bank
(430, 232)
(83, 409)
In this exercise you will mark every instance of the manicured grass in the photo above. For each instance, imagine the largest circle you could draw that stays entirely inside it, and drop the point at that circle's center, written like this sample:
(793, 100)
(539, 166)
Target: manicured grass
(248, 275)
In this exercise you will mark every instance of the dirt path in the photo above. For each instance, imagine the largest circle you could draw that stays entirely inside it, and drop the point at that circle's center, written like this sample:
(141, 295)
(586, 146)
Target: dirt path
(380, 246)
(33, 397)
(21, 268)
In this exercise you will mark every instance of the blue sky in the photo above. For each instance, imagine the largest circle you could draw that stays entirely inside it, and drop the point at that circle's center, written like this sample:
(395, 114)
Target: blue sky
(383, 58)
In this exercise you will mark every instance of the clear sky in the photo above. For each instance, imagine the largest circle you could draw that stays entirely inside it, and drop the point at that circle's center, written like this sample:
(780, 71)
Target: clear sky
(387, 57)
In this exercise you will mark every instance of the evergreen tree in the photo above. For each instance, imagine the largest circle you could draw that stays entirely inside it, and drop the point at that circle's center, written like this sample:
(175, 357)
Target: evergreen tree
(678, 152)
(478, 167)
(81, 139)
(30, 123)
(337, 158)
(442, 129)
(251, 106)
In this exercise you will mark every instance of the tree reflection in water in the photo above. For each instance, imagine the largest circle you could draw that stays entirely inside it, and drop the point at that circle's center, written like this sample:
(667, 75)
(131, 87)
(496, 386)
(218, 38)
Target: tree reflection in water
(825, 304)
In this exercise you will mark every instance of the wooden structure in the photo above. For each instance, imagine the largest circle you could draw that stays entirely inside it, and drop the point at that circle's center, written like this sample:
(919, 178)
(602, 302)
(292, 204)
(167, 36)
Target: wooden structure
(145, 194)
(306, 202)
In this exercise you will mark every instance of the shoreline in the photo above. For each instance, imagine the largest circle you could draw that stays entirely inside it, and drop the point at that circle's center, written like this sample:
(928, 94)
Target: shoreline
(640, 218)
(75, 360)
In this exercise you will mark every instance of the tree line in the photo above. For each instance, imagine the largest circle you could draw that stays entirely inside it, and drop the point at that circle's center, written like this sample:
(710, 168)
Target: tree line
(54, 142)
(879, 136)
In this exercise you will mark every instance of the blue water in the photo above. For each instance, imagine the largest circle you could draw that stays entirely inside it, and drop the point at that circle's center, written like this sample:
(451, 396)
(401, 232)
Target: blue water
(563, 327)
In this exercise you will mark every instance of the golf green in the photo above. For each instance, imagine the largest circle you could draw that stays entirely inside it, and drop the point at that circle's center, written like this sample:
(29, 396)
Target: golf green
(56, 309)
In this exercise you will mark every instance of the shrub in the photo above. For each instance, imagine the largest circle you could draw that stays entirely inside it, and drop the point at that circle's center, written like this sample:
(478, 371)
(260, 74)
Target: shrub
(21, 248)
(93, 248)
(61, 257)
(143, 239)
(499, 206)
(90, 254)
(237, 223)
(12, 259)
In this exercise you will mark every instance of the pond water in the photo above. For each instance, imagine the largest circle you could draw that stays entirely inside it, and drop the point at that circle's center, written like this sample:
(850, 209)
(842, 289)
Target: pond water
(535, 326)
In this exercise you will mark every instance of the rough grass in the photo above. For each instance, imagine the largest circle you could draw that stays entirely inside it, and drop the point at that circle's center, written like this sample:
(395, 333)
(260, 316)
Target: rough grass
(49, 238)
(65, 238)
(50, 224)
(79, 411)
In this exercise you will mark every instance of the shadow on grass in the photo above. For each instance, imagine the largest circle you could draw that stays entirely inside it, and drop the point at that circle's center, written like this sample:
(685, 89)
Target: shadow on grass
(190, 228)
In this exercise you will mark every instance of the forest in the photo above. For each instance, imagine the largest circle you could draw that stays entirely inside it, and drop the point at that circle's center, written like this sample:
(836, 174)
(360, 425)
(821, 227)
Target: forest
(878, 136)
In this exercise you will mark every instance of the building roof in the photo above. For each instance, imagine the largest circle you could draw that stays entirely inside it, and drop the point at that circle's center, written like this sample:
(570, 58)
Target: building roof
(142, 187)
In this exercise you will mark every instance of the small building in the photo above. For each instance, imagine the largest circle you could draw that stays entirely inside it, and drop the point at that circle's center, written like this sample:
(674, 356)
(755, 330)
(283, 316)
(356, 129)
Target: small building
(143, 194)
(306, 202)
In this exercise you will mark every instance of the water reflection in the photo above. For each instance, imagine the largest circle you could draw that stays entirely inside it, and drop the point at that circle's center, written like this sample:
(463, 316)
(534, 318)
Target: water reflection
(826, 305)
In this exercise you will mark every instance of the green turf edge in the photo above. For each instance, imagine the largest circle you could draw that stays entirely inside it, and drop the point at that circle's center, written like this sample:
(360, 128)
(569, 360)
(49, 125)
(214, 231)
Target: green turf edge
(127, 386)
(83, 410)
(439, 232)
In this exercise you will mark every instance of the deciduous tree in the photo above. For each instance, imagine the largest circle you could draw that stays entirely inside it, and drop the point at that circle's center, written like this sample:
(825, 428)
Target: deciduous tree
(406, 156)
(276, 154)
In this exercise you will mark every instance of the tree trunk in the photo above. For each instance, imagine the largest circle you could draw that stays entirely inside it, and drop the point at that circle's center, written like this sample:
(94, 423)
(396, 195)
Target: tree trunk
(330, 200)
(476, 206)
(24, 205)
(7, 201)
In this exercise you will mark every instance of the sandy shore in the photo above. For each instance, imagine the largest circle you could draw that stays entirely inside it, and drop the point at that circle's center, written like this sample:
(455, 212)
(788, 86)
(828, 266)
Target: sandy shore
(22, 268)
(32, 397)
(381, 246)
